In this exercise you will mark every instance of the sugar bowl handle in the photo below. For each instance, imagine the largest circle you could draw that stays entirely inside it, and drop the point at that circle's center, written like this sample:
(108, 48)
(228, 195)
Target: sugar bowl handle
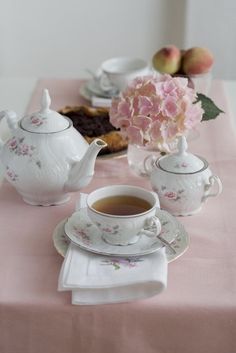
(213, 180)
(148, 163)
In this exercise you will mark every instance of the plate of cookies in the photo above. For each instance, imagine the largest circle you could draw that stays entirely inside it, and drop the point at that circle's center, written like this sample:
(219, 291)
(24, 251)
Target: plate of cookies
(94, 123)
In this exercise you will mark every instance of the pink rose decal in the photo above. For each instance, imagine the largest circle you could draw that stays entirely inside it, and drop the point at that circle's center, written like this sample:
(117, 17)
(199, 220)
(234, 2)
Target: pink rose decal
(171, 195)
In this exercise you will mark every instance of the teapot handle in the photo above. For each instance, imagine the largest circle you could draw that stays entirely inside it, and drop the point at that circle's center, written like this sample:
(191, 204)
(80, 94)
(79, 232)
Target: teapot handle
(12, 121)
(212, 180)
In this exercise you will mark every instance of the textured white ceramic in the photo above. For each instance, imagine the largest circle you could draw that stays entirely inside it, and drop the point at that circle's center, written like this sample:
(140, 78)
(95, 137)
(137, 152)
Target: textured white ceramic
(81, 231)
(124, 230)
(181, 243)
(183, 181)
(46, 158)
(118, 72)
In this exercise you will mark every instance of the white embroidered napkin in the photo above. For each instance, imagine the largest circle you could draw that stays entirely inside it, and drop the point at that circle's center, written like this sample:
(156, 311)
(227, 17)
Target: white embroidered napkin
(96, 279)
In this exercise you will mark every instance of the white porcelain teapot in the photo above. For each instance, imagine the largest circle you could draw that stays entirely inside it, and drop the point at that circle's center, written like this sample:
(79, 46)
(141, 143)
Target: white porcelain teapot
(183, 181)
(46, 158)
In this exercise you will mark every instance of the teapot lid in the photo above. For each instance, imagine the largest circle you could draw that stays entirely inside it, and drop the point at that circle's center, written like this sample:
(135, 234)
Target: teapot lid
(181, 162)
(45, 120)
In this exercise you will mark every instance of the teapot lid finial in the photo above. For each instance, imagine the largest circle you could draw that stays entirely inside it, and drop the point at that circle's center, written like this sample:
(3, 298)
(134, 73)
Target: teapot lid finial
(45, 101)
(182, 145)
(45, 120)
(181, 161)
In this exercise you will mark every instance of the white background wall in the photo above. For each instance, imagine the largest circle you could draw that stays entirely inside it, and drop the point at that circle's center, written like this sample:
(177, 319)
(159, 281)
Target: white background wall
(56, 38)
(212, 23)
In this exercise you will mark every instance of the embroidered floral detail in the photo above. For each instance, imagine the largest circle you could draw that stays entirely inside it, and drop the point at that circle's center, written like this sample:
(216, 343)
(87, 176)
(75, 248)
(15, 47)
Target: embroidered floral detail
(37, 120)
(82, 234)
(11, 174)
(118, 263)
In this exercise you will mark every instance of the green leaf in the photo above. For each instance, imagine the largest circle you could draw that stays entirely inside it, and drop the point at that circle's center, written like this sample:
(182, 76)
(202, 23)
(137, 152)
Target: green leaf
(211, 111)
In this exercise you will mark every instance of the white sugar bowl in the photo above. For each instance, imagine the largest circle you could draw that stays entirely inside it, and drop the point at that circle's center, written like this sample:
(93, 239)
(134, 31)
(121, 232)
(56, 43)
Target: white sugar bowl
(183, 181)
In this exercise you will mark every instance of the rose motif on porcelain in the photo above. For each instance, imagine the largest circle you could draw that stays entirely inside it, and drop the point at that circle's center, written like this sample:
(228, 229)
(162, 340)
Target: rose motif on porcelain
(170, 194)
(11, 174)
(82, 233)
(19, 147)
(183, 181)
(109, 228)
(182, 194)
(37, 120)
(46, 158)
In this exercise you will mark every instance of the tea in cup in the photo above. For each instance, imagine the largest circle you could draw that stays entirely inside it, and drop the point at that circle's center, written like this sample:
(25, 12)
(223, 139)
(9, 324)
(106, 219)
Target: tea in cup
(123, 213)
(118, 72)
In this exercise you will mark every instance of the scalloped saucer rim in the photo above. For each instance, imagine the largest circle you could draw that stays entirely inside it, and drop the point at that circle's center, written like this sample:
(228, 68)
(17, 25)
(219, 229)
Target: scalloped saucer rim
(80, 230)
(61, 242)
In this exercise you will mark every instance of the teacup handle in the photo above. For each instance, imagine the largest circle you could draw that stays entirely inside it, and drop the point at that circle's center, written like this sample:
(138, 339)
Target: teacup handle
(104, 82)
(152, 227)
(212, 180)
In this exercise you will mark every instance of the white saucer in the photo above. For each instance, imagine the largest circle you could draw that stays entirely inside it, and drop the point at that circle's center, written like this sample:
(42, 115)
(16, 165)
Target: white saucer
(93, 87)
(87, 236)
(61, 242)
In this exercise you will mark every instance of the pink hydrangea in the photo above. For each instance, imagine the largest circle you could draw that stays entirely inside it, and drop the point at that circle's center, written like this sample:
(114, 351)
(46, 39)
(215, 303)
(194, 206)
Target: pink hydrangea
(154, 110)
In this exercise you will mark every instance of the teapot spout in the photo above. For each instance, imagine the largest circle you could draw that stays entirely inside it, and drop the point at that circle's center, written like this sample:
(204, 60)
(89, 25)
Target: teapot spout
(81, 172)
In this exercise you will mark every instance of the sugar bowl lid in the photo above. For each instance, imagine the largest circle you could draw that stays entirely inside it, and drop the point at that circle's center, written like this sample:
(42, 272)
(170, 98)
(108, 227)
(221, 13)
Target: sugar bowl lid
(45, 120)
(181, 162)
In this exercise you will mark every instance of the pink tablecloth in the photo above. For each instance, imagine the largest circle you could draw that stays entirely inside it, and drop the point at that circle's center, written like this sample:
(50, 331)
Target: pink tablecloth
(197, 312)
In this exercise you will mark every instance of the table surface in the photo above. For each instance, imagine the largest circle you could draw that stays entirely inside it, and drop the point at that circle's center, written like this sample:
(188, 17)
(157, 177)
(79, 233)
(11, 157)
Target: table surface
(15, 93)
(197, 312)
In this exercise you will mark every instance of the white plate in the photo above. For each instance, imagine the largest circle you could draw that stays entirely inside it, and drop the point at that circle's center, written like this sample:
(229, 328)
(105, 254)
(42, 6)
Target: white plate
(61, 242)
(81, 231)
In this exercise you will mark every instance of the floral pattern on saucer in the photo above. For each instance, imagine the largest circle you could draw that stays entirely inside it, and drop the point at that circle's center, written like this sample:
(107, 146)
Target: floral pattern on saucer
(61, 243)
(87, 236)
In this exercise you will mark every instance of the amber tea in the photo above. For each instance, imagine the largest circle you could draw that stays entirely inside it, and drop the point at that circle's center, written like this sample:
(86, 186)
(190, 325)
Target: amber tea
(122, 205)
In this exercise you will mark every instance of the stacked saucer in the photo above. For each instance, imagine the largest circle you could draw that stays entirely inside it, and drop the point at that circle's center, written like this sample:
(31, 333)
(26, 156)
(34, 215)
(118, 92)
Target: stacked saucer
(98, 97)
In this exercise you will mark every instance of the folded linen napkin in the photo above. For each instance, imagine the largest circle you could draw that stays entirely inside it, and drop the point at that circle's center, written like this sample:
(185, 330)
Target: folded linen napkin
(95, 279)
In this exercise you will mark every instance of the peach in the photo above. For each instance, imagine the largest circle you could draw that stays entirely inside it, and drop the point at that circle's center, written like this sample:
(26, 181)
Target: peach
(197, 61)
(167, 60)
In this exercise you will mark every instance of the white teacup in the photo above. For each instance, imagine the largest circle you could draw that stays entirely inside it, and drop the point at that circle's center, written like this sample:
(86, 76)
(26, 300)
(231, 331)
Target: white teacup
(118, 72)
(123, 213)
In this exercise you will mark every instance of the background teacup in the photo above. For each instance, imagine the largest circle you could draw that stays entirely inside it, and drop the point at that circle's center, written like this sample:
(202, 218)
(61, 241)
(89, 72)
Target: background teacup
(118, 72)
(123, 213)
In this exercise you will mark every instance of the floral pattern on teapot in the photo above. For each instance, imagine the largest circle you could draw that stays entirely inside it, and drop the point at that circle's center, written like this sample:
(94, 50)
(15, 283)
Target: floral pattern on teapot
(11, 174)
(42, 170)
(20, 148)
(37, 120)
